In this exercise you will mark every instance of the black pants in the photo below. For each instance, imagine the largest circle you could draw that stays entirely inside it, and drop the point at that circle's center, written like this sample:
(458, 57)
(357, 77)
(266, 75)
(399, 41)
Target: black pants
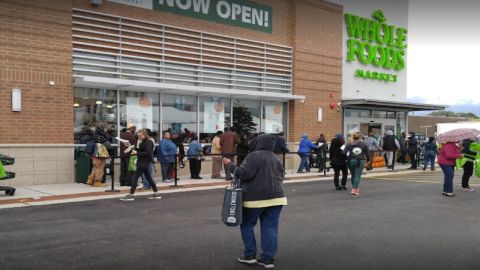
(137, 175)
(195, 168)
(413, 159)
(336, 175)
(467, 173)
(125, 174)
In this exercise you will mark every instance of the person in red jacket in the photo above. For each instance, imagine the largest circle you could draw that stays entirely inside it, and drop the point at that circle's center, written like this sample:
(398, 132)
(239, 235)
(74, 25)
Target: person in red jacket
(446, 159)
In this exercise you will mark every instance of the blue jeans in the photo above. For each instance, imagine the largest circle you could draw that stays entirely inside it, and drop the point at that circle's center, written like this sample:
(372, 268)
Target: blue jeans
(269, 217)
(304, 163)
(448, 172)
(144, 178)
(356, 167)
(429, 157)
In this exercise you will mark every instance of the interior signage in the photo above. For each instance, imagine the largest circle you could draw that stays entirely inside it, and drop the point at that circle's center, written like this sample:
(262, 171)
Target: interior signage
(374, 42)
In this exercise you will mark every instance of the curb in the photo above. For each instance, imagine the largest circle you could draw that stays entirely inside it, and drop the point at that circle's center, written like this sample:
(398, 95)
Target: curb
(100, 195)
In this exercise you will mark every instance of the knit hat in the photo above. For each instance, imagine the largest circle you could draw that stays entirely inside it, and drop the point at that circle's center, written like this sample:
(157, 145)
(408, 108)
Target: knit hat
(339, 136)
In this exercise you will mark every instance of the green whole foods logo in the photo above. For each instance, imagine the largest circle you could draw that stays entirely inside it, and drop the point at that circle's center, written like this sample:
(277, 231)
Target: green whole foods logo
(375, 42)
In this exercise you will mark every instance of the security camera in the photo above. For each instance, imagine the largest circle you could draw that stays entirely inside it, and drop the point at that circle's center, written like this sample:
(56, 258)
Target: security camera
(339, 104)
(302, 101)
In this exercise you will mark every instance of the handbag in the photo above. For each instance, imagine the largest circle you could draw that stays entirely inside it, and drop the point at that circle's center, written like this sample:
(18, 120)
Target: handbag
(132, 163)
(232, 204)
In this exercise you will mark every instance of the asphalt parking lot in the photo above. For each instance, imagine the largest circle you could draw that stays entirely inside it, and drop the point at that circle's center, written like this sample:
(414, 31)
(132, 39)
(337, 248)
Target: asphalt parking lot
(400, 221)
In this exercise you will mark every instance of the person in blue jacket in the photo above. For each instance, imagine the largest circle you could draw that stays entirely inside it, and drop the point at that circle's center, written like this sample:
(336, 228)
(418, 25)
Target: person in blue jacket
(194, 153)
(166, 155)
(304, 151)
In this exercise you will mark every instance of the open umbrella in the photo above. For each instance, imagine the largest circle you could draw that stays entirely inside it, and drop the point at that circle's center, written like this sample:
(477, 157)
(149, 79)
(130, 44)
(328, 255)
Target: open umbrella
(458, 135)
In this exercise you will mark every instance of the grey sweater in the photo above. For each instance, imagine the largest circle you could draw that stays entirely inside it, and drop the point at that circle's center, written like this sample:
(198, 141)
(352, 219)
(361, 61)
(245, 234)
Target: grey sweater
(261, 172)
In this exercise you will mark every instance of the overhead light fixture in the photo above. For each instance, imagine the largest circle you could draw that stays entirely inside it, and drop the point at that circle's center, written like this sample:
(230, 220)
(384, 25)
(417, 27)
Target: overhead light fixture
(109, 106)
(99, 102)
(16, 100)
(76, 105)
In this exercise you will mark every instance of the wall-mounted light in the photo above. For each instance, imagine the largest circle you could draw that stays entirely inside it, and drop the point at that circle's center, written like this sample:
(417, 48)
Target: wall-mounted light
(98, 102)
(76, 105)
(109, 106)
(16, 100)
(319, 115)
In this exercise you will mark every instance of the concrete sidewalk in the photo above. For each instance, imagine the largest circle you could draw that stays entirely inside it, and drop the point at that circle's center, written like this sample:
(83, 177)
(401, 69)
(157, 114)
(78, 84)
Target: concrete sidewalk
(62, 193)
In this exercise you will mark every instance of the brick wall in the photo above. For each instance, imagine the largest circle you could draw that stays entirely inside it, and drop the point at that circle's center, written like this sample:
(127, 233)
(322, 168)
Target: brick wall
(317, 68)
(35, 48)
(416, 122)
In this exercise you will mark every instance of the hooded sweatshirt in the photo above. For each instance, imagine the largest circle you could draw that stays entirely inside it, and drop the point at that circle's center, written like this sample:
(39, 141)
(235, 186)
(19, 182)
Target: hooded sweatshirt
(261, 175)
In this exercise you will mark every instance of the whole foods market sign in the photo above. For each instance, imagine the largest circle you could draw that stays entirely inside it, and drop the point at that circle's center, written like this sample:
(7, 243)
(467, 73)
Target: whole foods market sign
(233, 12)
(376, 43)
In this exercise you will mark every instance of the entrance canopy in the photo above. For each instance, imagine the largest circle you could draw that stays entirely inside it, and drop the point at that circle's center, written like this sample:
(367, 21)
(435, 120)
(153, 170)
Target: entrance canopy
(178, 89)
(381, 104)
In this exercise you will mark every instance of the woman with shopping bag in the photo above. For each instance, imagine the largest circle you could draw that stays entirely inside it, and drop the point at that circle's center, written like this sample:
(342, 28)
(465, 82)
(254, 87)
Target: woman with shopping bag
(144, 154)
(261, 179)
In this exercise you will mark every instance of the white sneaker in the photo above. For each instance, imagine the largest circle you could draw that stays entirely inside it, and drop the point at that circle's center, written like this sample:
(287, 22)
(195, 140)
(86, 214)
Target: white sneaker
(129, 197)
(155, 196)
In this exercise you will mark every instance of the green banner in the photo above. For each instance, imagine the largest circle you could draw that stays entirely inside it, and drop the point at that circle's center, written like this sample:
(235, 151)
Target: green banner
(233, 12)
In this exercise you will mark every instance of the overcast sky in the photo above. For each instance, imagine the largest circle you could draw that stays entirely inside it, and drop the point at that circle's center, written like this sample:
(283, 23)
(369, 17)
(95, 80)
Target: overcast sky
(444, 52)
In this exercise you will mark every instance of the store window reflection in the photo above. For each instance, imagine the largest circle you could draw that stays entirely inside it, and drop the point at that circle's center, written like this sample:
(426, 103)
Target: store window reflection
(246, 116)
(140, 109)
(274, 117)
(214, 116)
(94, 107)
(179, 114)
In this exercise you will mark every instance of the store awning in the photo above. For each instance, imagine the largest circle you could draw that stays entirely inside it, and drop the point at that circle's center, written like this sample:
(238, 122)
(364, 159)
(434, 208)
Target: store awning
(390, 105)
(178, 89)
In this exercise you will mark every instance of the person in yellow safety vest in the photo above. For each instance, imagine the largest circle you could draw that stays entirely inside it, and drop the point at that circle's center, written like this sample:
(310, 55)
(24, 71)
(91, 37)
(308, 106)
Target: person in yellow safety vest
(468, 167)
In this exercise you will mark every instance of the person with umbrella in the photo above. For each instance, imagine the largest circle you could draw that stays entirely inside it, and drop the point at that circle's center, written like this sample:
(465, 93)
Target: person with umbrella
(450, 152)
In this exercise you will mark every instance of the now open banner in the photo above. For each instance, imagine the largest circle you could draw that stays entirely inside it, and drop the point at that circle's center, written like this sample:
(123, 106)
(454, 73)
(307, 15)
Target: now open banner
(233, 12)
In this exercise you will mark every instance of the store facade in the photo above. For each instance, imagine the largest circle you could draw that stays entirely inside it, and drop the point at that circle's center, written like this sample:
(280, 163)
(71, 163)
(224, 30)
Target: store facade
(375, 62)
(189, 66)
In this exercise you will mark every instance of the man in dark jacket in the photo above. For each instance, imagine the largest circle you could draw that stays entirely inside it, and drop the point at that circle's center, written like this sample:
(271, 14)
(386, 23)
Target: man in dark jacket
(338, 161)
(125, 175)
(403, 149)
(390, 145)
(468, 167)
(321, 152)
(261, 176)
(412, 149)
(280, 148)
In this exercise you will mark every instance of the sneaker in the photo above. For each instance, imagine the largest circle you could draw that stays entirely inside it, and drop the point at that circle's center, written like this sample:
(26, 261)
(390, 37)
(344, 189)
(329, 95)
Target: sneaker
(167, 181)
(147, 188)
(447, 194)
(343, 188)
(247, 259)
(266, 263)
(338, 188)
(468, 189)
(129, 197)
(155, 195)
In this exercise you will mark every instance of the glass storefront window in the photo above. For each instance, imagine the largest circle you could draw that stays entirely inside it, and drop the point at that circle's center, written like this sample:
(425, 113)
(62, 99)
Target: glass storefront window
(140, 109)
(401, 123)
(383, 114)
(246, 116)
(274, 117)
(91, 108)
(179, 113)
(214, 116)
(352, 128)
(357, 113)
